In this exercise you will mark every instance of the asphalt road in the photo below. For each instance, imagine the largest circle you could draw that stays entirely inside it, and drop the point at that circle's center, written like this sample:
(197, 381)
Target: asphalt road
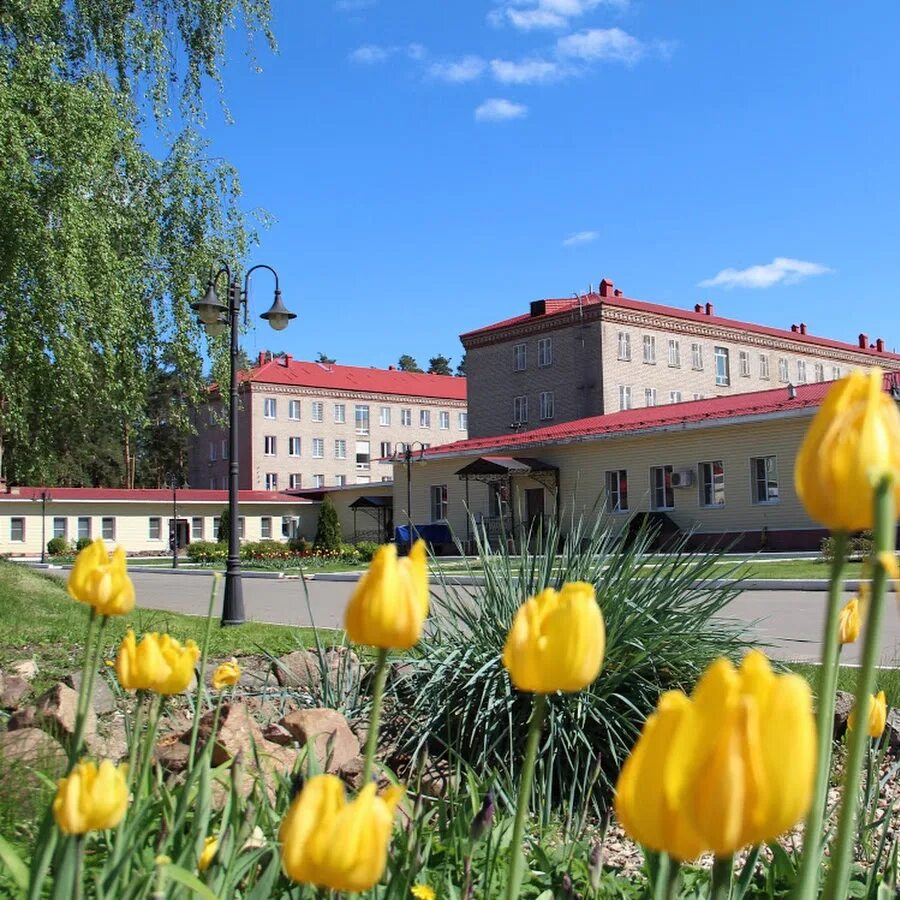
(790, 622)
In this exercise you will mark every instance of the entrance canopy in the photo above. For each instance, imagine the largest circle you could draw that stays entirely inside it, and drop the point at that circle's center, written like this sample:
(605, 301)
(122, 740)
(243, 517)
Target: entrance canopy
(372, 502)
(500, 468)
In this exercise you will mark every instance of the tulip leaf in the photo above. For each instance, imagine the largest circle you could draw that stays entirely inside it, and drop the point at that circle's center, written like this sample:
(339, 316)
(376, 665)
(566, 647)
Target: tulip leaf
(189, 880)
(13, 864)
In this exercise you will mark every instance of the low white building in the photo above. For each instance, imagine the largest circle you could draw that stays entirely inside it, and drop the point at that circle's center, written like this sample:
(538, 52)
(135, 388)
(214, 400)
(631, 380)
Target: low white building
(142, 521)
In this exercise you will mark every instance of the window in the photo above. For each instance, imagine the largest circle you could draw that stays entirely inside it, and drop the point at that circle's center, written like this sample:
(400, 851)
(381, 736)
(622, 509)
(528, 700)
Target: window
(744, 360)
(242, 527)
(60, 527)
(801, 371)
(625, 346)
(108, 528)
(84, 526)
(224, 483)
(406, 417)
(835, 373)
(438, 502)
(674, 396)
(294, 410)
(764, 366)
(265, 528)
(385, 449)
(212, 483)
(819, 369)
(697, 357)
(443, 420)
(649, 396)
(698, 396)
(723, 371)
(462, 422)
(363, 479)
(318, 411)
(425, 418)
(215, 531)
(269, 445)
(318, 481)
(386, 478)
(520, 410)
(287, 526)
(712, 483)
(362, 455)
(213, 454)
(269, 408)
(224, 448)
(361, 416)
(318, 448)
(545, 352)
(674, 353)
(271, 481)
(624, 396)
(340, 449)
(764, 475)
(293, 446)
(197, 528)
(384, 415)
(155, 530)
(340, 413)
(649, 349)
(17, 529)
(519, 357)
(340, 480)
(617, 490)
(546, 404)
(661, 494)
(295, 480)
(783, 375)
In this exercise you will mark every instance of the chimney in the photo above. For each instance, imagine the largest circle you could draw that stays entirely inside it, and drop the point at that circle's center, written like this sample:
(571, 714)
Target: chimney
(617, 293)
(390, 368)
(286, 359)
(710, 309)
(607, 288)
(538, 307)
(803, 328)
(795, 328)
(879, 345)
(863, 342)
(261, 360)
(698, 307)
(792, 392)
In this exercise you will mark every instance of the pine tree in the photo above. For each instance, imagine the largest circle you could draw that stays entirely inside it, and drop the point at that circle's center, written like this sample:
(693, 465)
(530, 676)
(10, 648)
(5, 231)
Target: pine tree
(439, 365)
(224, 526)
(328, 532)
(407, 363)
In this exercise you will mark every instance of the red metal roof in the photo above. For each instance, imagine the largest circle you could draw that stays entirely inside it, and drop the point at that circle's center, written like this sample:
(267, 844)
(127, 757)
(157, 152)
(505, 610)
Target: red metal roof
(146, 495)
(560, 306)
(808, 396)
(286, 370)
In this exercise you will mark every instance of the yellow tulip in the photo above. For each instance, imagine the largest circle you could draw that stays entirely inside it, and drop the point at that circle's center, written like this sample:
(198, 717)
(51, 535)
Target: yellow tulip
(207, 854)
(329, 842)
(557, 641)
(852, 442)
(159, 663)
(101, 581)
(390, 603)
(877, 718)
(226, 675)
(423, 892)
(91, 798)
(643, 805)
(849, 622)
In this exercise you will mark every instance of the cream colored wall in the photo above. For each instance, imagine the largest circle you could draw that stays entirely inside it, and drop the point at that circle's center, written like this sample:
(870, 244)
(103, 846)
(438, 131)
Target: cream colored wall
(583, 467)
(132, 525)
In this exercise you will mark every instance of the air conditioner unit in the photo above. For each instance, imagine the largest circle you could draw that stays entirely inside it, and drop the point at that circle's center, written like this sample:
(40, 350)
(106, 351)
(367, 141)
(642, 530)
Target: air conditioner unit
(684, 478)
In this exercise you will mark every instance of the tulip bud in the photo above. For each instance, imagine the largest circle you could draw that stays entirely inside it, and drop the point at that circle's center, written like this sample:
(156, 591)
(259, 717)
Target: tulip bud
(849, 622)
(852, 443)
(101, 581)
(485, 816)
(595, 865)
(210, 848)
(877, 715)
(226, 675)
(91, 798)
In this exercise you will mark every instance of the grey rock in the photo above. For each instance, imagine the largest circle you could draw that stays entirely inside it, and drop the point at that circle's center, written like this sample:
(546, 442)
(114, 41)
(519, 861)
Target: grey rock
(104, 700)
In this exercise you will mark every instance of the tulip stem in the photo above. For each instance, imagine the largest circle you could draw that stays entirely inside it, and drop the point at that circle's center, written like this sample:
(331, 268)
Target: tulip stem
(375, 717)
(152, 725)
(827, 683)
(883, 539)
(86, 688)
(722, 872)
(201, 677)
(517, 851)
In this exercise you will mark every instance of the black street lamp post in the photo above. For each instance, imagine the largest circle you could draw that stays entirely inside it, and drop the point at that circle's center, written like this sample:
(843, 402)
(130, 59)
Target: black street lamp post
(174, 482)
(411, 450)
(216, 318)
(44, 496)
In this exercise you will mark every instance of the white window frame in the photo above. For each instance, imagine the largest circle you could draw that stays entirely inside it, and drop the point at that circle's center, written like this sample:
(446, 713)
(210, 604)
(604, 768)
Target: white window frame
(361, 421)
(784, 371)
(90, 527)
(744, 362)
(624, 340)
(295, 481)
(439, 502)
(340, 413)
(406, 417)
(265, 528)
(340, 448)
(624, 397)
(801, 371)
(649, 396)
(697, 357)
(649, 356)
(462, 422)
(270, 445)
(764, 366)
(111, 521)
(769, 480)
(295, 444)
(835, 373)
(674, 353)
(711, 484)
(520, 357)
(340, 480)
(384, 450)
(154, 524)
(444, 420)
(271, 481)
(270, 408)
(520, 409)
(384, 415)
(819, 372)
(545, 352)
(318, 481)
(616, 482)
(294, 410)
(15, 521)
(197, 530)
(318, 448)
(213, 451)
(317, 411)
(674, 396)
(666, 489)
(424, 418)
(546, 405)
(64, 533)
(721, 354)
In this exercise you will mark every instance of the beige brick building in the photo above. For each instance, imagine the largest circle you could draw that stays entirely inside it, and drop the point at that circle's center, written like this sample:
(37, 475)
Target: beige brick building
(571, 358)
(306, 425)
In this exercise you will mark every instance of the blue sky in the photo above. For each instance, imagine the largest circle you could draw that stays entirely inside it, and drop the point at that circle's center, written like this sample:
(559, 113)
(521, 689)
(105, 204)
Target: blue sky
(433, 166)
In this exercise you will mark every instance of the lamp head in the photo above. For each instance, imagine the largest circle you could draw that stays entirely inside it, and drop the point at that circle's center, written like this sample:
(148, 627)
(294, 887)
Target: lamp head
(210, 308)
(214, 329)
(278, 315)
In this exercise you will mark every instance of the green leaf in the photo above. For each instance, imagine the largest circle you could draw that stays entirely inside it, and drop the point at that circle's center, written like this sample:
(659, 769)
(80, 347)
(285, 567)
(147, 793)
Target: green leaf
(16, 868)
(189, 880)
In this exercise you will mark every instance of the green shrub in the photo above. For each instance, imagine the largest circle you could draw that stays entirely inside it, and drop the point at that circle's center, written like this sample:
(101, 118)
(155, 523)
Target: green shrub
(660, 635)
(300, 544)
(365, 550)
(224, 526)
(859, 547)
(262, 550)
(81, 543)
(328, 532)
(206, 552)
(57, 546)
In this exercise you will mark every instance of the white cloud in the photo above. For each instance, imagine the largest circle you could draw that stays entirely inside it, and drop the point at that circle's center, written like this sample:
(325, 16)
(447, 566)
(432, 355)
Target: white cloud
(371, 53)
(527, 71)
(781, 269)
(499, 110)
(580, 237)
(466, 69)
(528, 15)
(601, 45)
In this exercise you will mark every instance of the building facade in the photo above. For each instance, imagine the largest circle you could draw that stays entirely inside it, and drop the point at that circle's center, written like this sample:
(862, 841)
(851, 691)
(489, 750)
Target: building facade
(603, 352)
(311, 425)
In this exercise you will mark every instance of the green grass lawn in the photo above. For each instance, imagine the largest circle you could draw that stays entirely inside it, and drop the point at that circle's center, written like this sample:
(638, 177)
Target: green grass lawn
(887, 680)
(39, 620)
